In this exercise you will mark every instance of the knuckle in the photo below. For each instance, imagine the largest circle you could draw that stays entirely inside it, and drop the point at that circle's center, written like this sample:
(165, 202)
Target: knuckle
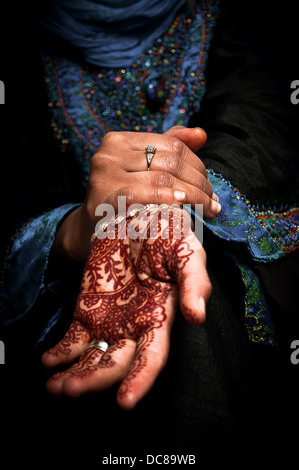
(208, 189)
(110, 138)
(93, 177)
(173, 164)
(177, 127)
(128, 193)
(204, 184)
(204, 171)
(201, 167)
(156, 193)
(174, 158)
(197, 163)
(163, 179)
(177, 146)
(197, 196)
(99, 162)
(95, 160)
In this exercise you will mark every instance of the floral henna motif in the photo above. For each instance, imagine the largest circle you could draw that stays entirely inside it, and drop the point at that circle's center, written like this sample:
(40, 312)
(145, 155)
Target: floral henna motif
(91, 361)
(140, 362)
(126, 309)
(75, 334)
(125, 313)
(125, 293)
(108, 267)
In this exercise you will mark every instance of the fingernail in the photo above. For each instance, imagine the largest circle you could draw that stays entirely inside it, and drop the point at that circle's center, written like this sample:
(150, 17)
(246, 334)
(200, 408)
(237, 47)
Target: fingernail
(179, 195)
(215, 197)
(215, 207)
(202, 305)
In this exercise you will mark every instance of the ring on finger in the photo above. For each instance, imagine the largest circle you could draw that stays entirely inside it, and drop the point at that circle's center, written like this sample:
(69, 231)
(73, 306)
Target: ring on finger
(101, 345)
(150, 151)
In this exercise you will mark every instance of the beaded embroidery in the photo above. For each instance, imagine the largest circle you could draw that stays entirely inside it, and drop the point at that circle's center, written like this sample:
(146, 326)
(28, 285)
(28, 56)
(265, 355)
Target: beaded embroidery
(163, 88)
(257, 319)
(267, 234)
(270, 233)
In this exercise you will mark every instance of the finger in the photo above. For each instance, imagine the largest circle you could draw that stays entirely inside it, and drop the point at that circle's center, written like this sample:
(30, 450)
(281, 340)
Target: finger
(173, 154)
(94, 377)
(193, 281)
(147, 194)
(89, 357)
(160, 187)
(189, 170)
(182, 172)
(131, 153)
(69, 348)
(185, 170)
(150, 358)
(194, 137)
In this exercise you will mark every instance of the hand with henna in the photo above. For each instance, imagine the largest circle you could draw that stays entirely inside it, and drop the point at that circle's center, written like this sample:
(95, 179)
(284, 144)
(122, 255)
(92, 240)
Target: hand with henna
(128, 298)
(119, 168)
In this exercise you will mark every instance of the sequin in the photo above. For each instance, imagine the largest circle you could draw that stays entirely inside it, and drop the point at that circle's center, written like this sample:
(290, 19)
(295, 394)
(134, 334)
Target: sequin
(163, 88)
(167, 92)
(260, 234)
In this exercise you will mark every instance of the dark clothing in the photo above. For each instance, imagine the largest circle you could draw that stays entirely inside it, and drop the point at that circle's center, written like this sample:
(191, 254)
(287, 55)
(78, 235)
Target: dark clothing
(218, 391)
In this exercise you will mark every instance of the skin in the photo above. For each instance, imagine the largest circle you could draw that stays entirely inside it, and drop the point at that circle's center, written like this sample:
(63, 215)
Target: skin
(131, 287)
(119, 168)
(128, 297)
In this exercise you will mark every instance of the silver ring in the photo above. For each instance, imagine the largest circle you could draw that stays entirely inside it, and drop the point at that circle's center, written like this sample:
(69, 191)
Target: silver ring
(150, 151)
(101, 345)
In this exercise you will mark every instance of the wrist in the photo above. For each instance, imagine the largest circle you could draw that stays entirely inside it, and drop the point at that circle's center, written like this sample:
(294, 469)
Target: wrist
(72, 240)
(147, 221)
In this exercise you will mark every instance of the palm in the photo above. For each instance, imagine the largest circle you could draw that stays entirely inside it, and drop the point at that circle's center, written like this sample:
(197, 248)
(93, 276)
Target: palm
(128, 298)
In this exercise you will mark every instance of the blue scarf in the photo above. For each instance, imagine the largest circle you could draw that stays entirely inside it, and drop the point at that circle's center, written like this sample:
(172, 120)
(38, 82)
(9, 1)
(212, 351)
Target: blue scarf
(109, 33)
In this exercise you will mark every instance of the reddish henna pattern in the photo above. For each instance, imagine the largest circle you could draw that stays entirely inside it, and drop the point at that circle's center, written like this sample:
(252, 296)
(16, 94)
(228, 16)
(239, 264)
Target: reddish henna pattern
(129, 308)
(124, 292)
(190, 316)
(140, 362)
(90, 361)
(75, 334)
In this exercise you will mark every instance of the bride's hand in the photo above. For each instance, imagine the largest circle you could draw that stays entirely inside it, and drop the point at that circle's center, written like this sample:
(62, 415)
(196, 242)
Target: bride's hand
(128, 298)
(119, 168)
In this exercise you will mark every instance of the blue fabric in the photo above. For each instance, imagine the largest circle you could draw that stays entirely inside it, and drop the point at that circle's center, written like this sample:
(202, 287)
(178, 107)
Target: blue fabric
(27, 262)
(86, 103)
(110, 33)
(239, 221)
(245, 236)
(80, 125)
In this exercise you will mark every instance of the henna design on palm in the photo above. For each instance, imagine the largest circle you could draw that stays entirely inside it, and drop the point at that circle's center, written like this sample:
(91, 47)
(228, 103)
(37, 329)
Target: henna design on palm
(128, 297)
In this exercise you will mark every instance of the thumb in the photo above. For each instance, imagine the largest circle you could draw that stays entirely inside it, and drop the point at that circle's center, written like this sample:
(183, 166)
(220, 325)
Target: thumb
(194, 137)
(194, 288)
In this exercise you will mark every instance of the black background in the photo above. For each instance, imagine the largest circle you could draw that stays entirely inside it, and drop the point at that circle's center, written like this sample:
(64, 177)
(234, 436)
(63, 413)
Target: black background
(34, 429)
